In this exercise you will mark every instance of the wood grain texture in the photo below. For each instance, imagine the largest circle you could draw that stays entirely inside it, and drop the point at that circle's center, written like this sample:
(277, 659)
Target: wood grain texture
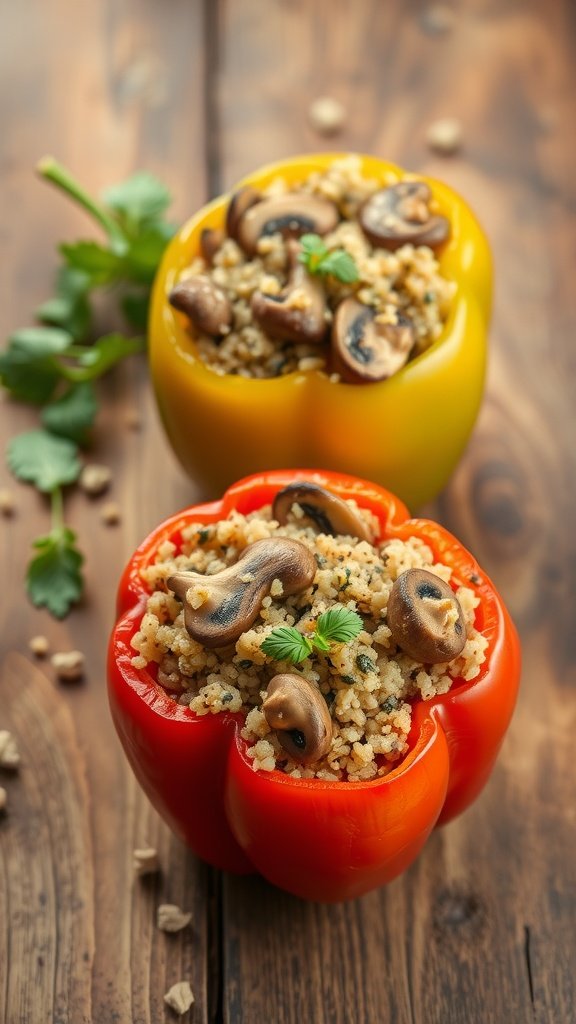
(482, 927)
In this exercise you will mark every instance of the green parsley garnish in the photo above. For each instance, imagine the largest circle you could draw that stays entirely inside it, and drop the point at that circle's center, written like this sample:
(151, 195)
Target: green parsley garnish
(54, 579)
(318, 259)
(53, 365)
(339, 625)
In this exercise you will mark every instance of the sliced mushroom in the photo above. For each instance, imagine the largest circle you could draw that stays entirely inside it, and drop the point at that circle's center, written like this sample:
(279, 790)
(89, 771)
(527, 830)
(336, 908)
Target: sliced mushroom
(219, 608)
(210, 241)
(327, 511)
(240, 202)
(204, 303)
(291, 215)
(364, 350)
(425, 617)
(298, 713)
(400, 214)
(298, 312)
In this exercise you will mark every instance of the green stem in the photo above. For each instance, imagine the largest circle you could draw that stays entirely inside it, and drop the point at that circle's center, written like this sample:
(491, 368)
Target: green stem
(57, 510)
(52, 171)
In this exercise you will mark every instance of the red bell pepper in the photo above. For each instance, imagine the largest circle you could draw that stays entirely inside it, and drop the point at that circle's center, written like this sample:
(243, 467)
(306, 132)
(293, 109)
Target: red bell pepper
(317, 839)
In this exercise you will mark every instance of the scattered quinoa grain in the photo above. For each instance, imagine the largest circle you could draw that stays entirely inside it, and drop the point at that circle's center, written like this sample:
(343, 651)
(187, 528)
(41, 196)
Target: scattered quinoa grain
(39, 646)
(146, 861)
(170, 918)
(180, 997)
(7, 503)
(445, 136)
(68, 665)
(9, 754)
(327, 115)
(110, 513)
(95, 479)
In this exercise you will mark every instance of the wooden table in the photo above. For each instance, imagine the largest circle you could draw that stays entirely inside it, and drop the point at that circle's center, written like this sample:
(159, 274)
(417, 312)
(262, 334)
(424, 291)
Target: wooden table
(482, 927)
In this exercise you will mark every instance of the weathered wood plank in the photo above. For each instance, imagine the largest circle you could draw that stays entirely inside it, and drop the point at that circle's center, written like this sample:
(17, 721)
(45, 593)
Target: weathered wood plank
(481, 927)
(107, 89)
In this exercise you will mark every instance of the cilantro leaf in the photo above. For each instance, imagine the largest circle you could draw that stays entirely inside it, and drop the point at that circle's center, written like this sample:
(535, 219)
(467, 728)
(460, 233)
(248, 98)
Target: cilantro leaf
(145, 253)
(287, 644)
(135, 308)
(73, 413)
(41, 459)
(138, 200)
(27, 367)
(100, 357)
(54, 580)
(40, 341)
(312, 251)
(318, 259)
(70, 308)
(341, 265)
(100, 265)
(338, 625)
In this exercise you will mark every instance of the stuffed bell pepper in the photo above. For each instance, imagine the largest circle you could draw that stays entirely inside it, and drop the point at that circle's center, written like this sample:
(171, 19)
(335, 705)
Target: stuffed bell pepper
(332, 310)
(306, 681)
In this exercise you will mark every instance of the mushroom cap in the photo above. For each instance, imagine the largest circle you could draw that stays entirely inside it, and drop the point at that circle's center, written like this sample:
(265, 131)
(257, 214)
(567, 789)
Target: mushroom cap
(210, 241)
(401, 213)
(219, 608)
(297, 711)
(364, 350)
(291, 215)
(239, 203)
(298, 313)
(326, 510)
(204, 303)
(425, 617)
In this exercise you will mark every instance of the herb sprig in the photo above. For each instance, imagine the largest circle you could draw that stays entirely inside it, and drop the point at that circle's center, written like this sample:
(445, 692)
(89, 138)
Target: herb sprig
(318, 259)
(339, 625)
(54, 365)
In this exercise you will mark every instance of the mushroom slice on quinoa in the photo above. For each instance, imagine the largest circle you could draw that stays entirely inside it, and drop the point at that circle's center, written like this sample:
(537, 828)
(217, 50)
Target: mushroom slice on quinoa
(290, 215)
(425, 617)
(401, 214)
(240, 202)
(219, 608)
(296, 710)
(364, 349)
(298, 313)
(204, 303)
(210, 241)
(327, 511)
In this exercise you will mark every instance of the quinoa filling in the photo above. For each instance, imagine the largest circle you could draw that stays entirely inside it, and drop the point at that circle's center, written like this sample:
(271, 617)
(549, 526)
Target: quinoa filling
(368, 684)
(400, 284)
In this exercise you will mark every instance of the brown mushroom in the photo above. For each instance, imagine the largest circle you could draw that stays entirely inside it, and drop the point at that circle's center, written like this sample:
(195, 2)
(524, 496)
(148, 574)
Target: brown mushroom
(204, 303)
(298, 312)
(365, 350)
(298, 713)
(219, 608)
(326, 510)
(294, 214)
(210, 241)
(425, 617)
(240, 202)
(401, 213)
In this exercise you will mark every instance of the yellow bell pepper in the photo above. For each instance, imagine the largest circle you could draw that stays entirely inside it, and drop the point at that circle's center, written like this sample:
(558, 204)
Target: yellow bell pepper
(406, 433)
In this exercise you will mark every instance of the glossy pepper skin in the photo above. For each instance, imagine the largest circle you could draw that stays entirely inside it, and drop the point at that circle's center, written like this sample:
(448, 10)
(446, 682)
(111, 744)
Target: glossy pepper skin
(320, 840)
(406, 433)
